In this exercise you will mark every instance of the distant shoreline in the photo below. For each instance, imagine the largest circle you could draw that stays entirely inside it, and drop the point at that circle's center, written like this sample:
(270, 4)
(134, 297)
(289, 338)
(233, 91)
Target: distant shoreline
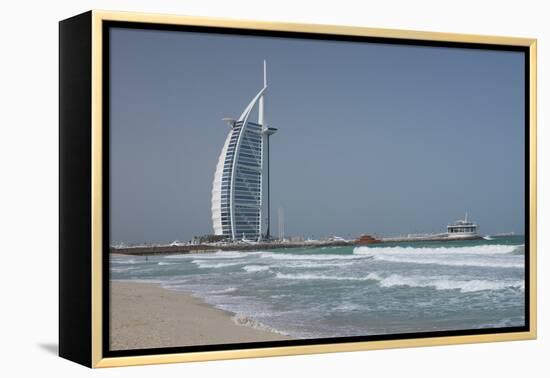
(201, 248)
(204, 248)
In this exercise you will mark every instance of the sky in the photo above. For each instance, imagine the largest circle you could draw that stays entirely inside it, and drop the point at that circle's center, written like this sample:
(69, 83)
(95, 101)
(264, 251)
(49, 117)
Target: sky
(373, 138)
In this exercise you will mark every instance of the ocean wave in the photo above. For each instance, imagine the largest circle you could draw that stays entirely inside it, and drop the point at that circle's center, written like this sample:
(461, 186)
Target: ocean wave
(224, 291)
(307, 276)
(125, 261)
(305, 264)
(289, 256)
(509, 322)
(123, 269)
(167, 263)
(255, 268)
(131, 261)
(215, 265)
(438, 283)
(140, 280)
(445, 283)
(485, 256)
(210, 255)
(449, 262)
(487, 249)
(348, 307)
(520, 250)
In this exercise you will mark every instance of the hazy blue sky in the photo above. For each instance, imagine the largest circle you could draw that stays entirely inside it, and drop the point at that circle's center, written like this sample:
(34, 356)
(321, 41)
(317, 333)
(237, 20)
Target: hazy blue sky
(372, 138)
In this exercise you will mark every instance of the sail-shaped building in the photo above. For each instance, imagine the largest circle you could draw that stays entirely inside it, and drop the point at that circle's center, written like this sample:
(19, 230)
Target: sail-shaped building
(240, 190)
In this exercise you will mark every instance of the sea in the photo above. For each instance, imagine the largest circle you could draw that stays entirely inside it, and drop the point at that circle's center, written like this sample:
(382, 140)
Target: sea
(390, 288)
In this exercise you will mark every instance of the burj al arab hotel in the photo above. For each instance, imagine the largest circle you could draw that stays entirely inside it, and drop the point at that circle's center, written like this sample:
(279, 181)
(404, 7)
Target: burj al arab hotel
(240, 191)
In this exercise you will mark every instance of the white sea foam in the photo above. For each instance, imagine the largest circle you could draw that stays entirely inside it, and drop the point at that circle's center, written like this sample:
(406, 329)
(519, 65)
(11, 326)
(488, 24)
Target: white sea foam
(247, 321)
(307, 276)
(288, 256)
(214, 265)
(210, 255)
(224, 291)
(127, 261)
(122, 261)
(255, 268)
(444, 283)
(140, 280)
(123, 269)
(305, 264)
(167, 263)
(348, 307)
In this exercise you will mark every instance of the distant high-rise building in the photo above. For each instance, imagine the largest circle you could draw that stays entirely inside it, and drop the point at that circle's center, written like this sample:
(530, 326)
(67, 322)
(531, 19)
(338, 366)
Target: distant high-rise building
(240, 191)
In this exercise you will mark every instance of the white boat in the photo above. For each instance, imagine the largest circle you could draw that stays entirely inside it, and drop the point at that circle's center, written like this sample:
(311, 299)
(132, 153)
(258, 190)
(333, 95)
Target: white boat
(462, 229)
(337, 238)
(248, 241)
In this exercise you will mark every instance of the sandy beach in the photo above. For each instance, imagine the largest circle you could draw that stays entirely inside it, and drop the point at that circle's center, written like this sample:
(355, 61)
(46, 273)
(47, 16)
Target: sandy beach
(144, 315)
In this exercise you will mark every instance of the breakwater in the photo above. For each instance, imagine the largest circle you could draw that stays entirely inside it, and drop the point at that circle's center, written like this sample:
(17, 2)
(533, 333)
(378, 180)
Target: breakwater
(200, 248)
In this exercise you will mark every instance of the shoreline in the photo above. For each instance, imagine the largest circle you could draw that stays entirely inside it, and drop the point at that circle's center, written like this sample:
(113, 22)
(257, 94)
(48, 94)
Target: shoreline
(144, 315)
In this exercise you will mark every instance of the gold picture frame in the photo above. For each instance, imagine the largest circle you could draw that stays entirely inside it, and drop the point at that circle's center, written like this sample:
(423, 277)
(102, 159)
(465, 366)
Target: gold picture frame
(90, 266)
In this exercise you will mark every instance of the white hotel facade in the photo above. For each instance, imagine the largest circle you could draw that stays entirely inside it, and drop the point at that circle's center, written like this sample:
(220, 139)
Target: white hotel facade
(240, 190)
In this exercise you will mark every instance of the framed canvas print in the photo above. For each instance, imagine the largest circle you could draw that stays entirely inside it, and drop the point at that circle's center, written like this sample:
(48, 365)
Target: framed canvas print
(235, 189)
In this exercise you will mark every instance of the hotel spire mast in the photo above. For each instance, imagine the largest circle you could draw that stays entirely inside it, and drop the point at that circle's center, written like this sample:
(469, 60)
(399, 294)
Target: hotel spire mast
(240, 191)
(262, 120)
